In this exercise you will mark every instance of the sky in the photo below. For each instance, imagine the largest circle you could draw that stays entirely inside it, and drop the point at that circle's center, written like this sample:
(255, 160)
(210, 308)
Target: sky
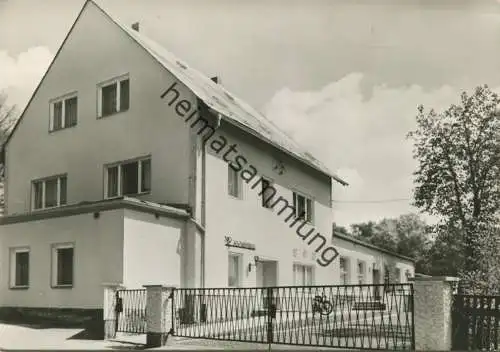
(342, 77)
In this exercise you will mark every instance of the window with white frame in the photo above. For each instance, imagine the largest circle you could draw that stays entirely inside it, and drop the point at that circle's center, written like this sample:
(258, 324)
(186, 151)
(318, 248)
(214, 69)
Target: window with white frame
(113, 96)
(267, 192)
(361, 272)
(128, 178)
(49, 192)
(62, 264)
(344, 272)
(19, 267)
(234, 270)
(63, 112)
(233, 182)
(303, 275)
(303, 207)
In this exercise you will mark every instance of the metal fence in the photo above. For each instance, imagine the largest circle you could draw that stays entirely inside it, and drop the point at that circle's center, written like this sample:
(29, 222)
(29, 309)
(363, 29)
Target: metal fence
(476, 322)
(344, 316)
(131, 311)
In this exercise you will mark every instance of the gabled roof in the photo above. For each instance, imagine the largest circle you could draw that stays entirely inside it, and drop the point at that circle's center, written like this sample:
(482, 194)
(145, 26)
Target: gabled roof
(233, 110)
(337, 234)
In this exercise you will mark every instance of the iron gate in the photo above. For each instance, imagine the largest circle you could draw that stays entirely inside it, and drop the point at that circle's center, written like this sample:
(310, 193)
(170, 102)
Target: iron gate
(344, 316)
(476, 322)
(130, 309)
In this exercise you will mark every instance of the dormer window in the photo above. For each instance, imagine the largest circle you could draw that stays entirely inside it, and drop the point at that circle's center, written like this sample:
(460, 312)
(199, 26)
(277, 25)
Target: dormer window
(63, 112)
(113, 96)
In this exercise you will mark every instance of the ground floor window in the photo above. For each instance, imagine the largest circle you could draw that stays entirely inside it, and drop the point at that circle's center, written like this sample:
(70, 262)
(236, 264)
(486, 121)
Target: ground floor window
(361, 272)
(344, 272)
(303, 275)
(20, 267)
(397, 276)
(408, 275)
(234, 270)
(62, 265)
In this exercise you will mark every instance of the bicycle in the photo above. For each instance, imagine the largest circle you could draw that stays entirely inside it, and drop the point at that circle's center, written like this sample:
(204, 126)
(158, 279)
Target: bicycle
(322, 305)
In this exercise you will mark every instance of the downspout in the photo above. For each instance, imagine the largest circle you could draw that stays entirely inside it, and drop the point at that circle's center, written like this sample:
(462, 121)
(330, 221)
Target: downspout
(202, 107)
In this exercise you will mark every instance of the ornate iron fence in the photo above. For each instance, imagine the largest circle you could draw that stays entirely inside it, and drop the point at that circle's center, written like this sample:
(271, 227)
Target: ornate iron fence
(476, 322)
(131, 311)
(344, 316)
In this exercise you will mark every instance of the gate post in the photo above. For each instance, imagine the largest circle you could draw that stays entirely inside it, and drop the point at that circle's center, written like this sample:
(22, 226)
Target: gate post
(432, 310)
(109, 313)
(159, 310)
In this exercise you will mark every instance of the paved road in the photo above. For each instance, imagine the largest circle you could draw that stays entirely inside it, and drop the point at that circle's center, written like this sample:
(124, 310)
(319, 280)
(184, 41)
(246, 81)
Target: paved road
(22, 337)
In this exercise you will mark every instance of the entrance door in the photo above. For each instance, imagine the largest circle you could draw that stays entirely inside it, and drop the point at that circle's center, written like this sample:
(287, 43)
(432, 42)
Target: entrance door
(376, 281)
(267, 276)
(267, 273)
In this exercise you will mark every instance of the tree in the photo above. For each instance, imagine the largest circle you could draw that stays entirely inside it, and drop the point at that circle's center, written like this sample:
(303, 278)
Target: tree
(340, 229)
(364, 231)
(458, 173)
(407, 235)
(7, 120)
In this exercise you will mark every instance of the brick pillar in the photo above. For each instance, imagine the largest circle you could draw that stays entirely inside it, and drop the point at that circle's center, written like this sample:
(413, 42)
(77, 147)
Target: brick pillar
(109, 313)
(158, 314)
(432, 310)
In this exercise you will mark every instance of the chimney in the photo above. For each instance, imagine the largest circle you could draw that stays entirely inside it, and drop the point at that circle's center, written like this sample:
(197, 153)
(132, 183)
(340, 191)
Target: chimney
(135, 26)
(215, 79)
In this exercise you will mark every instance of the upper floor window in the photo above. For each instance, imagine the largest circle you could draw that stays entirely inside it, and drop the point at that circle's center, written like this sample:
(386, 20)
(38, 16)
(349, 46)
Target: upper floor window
(49, 192)
(267, 193)
(128, 178)
(234, 183)
(302, 275)
(20, 267)
(344, 272)
(303, 207)
(63, 112)
(113, 96)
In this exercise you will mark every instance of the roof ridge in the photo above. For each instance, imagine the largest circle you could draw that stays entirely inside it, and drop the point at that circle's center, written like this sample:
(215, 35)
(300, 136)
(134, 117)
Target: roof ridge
(212, 89)
(235, 110)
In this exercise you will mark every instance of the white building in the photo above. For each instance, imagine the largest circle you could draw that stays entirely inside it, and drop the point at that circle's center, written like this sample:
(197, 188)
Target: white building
(113, 176)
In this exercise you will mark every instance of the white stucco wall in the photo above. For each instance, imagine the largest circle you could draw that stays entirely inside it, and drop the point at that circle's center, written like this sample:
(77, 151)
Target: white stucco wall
(98, 257)
(151, 250)
(148, 127)
(354, 252)
(246, 220)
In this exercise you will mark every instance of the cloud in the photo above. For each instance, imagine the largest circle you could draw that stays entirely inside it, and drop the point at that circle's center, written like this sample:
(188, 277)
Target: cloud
(361, 137)
(20, 75)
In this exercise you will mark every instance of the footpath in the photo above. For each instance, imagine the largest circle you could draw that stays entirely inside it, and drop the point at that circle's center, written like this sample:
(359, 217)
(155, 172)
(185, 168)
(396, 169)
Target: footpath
(16, 337)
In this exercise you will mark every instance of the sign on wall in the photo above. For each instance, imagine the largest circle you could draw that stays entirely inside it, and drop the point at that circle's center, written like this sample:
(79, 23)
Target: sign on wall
(230, 242)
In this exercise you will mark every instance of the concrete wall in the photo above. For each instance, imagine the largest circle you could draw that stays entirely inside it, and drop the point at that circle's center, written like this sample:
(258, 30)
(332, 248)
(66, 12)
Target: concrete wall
(148, 127)
(98, 258)
(151, 250)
